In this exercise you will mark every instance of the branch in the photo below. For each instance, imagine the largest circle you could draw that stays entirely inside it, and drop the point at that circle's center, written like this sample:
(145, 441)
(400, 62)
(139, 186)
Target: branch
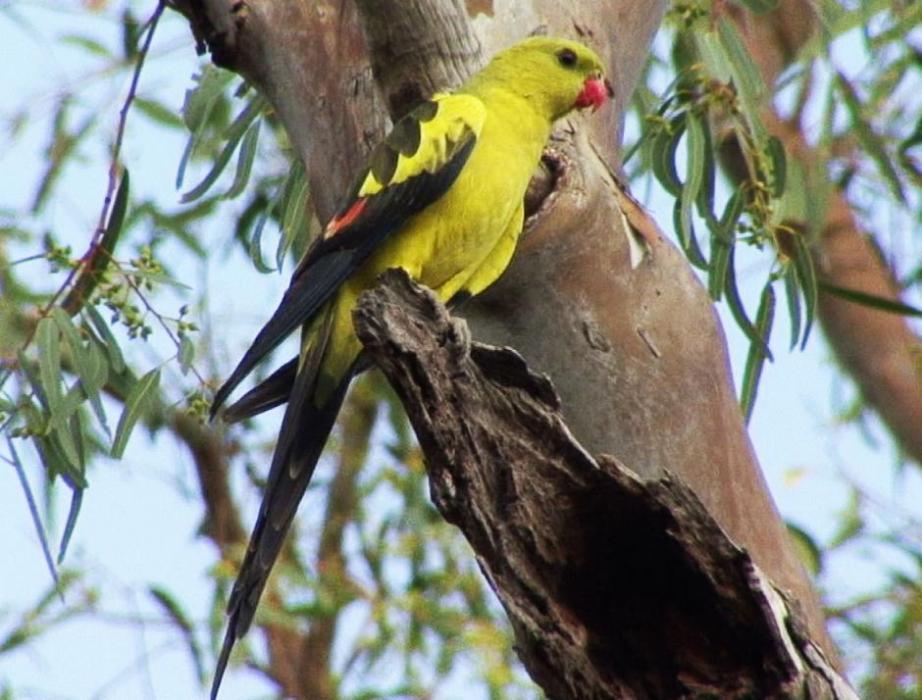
(616, 587)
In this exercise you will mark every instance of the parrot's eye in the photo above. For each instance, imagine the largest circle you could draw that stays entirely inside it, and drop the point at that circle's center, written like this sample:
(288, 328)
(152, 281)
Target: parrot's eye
(566, 58)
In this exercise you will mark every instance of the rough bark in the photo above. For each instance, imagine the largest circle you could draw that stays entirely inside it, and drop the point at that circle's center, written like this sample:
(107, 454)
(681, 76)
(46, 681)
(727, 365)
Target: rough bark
(616, 587)
(878, 350)
(595, 297)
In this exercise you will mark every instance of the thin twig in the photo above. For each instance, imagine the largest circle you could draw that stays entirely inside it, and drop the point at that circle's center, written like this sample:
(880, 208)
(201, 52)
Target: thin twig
(160, 319)
(113, 168)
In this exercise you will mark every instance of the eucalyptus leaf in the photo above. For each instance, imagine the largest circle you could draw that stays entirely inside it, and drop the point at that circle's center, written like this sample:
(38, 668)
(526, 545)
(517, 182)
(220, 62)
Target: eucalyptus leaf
(113, 351)
(33, 509)
(254, 246)
(76, 500)
(245, 161)
(775, 150)
(294, 213)
(755, 360)
(171, 606)
(792, 294)
(872, 301)
(735, 304)
(47, 338)
(664, 148)
(873, 144)
(158, 112)
(142, 395)
(233, 135)
(806, 277)
(186, 354)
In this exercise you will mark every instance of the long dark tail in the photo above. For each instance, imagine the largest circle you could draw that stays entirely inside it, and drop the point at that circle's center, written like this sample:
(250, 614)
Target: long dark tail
(304, 432)
(273, 391)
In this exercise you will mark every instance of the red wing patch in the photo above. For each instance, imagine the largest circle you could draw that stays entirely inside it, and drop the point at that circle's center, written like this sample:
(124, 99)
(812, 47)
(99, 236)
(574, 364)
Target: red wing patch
(338, 223)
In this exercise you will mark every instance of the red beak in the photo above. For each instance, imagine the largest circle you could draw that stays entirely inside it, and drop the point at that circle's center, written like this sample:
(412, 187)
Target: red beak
(595, 93)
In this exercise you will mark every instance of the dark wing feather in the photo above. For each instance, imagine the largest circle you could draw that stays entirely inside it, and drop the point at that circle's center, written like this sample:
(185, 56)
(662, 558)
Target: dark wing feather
(274, 391)
(304, 432)
(330, 261)
(271, 392)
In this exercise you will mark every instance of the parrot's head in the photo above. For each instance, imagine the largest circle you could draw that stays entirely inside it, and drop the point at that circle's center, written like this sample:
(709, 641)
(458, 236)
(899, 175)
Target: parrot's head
(557, 75)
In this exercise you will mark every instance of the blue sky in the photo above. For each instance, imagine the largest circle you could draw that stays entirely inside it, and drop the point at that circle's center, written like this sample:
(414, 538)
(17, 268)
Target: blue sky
(137, 525)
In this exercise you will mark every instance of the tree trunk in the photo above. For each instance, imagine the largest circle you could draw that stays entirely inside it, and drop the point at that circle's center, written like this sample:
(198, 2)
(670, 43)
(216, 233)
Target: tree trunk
(616, 587)
(596, 297)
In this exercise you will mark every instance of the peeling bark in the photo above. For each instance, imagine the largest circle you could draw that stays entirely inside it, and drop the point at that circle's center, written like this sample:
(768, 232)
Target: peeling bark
(616, 587)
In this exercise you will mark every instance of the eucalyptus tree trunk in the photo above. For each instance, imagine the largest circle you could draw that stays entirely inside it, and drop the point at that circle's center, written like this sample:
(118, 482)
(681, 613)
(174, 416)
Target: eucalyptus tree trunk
(601, 302)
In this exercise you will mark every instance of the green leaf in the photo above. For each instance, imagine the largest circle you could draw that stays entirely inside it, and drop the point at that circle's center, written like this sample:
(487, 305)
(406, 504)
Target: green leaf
(664, 149)
(97, 375)
(159, 278)
(159, 113)
(775, 150)
(233, 135)
(113, 351)
(200, 100)
(695, 171)
(294, 212)
(806, 276)
(71, 336)
(685, 230)
(186, 354)
(872, 143)
(116, 217)
(244, 161)
(735, 304)
(809, 552)
(33, 509)
(755, 360)
(66, 434)
(49, 362)
(89, 277)
(728, 60)
(852, 523)
(792, 294)
(914, 139)
(793, 205)
(872, 300)
(197, 108)
(141, 396)
(86, 43)
(254, 247)
(181, 619)
(705, 199)
(87, 360)
(723, 237)
(76, 500)
(29, 370)
(717, 272)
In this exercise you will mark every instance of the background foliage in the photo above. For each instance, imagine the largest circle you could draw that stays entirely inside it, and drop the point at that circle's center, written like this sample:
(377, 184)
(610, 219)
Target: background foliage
(125, 299)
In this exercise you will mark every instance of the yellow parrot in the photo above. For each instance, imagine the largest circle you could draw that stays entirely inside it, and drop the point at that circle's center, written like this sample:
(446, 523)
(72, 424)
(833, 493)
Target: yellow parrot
(442, 198)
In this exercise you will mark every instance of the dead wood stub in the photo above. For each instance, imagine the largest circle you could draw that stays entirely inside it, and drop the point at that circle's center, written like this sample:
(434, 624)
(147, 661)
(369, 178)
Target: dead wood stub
(616, 588)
